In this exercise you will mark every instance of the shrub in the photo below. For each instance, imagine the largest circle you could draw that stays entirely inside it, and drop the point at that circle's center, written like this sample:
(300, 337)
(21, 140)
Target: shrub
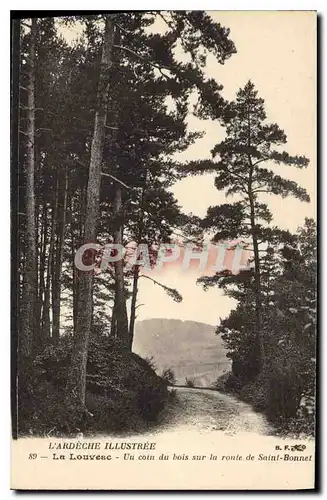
(228, 382)
(256, 394)
(150, 362)
(278, 392)
(284, 394)
(189, 382)
(168, 376)
(172, 394)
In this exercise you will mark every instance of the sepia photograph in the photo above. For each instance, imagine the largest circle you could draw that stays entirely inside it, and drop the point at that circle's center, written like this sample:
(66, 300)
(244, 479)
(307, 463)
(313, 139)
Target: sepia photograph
(164, 250)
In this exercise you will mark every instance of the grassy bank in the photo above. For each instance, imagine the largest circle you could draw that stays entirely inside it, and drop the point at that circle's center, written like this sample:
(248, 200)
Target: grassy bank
(123, 393)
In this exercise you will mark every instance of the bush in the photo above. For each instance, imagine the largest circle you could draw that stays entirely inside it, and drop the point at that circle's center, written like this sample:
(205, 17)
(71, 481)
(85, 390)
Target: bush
(256, 394)
(284, 394)
(228, 382)
(172, 394)
(279, 393)
(189, 382)
(150, 362)
(168, 376)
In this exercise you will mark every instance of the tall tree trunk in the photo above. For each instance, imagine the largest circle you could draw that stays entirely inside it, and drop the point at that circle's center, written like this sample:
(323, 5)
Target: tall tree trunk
(42, 261)
(113, 327)
(136, 273)
(56, 283)
(257, 279)
(120, 299)
(133, 305)
(38, 236)
(73, 249)
(77, 375)
(257, 276)
(47, 291)
(76, 243)
(30, 271)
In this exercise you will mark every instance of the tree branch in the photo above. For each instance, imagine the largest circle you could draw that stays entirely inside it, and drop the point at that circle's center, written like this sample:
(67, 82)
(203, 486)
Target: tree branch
(170, 291)
(43, 128)
(29, 109)
(144, 59)
(236, 175)
(128, 32)
(111, 128)
(165, 20)
(117, 180)
(259, 161)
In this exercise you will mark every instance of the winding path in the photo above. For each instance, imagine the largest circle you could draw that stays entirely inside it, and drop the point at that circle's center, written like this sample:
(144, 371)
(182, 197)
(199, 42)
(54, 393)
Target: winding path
(208, 410)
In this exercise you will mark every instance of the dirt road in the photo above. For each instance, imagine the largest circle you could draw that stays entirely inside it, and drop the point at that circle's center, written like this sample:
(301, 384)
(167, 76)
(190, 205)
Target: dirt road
(207, 410)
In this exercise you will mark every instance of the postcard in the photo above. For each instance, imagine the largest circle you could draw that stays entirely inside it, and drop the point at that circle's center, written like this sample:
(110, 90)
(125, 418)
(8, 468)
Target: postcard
(164, 250)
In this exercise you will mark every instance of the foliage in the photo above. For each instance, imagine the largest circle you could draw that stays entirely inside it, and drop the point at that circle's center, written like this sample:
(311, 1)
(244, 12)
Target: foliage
(150, 361)
(169, 376)
(173, 394)
(189, 382)
(240, 163)
(270, 335)
(149, 103)
(228, 382)
(142, 134)
(122, 392)
(285, 389)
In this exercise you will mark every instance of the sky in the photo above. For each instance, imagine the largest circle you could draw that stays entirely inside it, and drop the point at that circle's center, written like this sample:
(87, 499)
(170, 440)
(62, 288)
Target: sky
(277, 51)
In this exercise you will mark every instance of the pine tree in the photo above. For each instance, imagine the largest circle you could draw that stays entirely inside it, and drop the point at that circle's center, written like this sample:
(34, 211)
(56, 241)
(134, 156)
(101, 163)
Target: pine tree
(30, 269)
(77, 372)
(51, 69)
(152, 216)
(241, 172)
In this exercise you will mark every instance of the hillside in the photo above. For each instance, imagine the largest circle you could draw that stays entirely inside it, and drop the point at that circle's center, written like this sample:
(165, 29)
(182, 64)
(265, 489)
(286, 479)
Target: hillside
(190, 348)
(123, 393)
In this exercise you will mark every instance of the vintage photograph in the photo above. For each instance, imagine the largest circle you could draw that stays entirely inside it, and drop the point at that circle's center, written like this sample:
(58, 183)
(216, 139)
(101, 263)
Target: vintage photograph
(164, 255)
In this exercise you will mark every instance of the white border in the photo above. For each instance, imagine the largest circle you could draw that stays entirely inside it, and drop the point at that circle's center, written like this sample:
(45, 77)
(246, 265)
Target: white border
(320, 6)
(172, 5)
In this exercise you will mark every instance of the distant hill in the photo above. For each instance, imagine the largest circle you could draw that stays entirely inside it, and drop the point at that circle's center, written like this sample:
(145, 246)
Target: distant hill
(190, 348)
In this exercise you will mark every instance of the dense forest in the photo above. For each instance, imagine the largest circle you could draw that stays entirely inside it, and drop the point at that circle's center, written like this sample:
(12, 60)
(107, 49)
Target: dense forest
(100, 123)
